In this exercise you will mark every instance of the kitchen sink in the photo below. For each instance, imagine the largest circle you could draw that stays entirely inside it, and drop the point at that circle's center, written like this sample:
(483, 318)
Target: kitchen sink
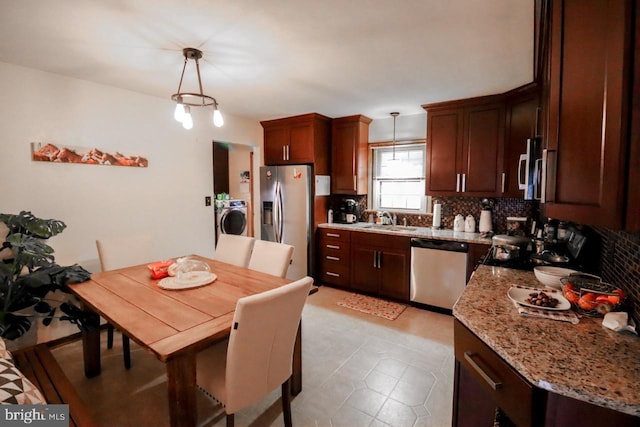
(389, 227)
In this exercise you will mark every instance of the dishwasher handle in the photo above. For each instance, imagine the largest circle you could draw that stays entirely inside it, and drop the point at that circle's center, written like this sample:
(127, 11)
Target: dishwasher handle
(440, 245)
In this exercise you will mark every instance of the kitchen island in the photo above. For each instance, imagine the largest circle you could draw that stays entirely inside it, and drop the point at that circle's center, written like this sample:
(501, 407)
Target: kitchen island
(538, 371)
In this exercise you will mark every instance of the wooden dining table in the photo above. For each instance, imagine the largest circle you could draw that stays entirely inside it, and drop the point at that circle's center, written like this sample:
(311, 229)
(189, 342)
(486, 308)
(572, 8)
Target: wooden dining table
(174, 325)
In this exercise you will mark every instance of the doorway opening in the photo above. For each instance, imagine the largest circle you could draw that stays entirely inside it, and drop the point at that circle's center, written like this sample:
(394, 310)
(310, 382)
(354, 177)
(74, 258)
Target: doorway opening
(233, 177)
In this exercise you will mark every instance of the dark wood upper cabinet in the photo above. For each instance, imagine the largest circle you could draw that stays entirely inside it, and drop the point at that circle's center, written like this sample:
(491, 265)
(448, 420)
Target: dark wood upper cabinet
(633, 189)
(298, 140)
(590, 87)
(465, 140)
(350, 155)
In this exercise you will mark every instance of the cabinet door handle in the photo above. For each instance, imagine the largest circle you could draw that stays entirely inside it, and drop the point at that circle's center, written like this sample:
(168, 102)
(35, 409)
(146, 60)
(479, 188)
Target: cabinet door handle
(504, 179)
(457, 183)
(379, 259)
(464, 182)
(288, 157)
(469, 357)
(328, 273)
(355, 179)
(332, 258)
(333, 247)
(284, 152)
(332, 235)
(375, 259)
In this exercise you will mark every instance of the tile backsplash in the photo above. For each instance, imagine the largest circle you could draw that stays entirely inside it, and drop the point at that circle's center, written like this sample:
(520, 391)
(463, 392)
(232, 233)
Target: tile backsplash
(619, 263)
(451, 206)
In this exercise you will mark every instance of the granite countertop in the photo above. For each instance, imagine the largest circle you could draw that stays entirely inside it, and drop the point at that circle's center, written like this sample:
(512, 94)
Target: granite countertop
(411, 231)
(584, 361)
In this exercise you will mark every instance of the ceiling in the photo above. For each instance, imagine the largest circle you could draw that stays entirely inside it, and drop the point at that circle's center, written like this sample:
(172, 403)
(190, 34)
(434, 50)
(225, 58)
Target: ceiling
(275, 58)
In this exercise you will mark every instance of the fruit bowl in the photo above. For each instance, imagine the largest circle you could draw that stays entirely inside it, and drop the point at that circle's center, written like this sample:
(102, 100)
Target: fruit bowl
(590, 296)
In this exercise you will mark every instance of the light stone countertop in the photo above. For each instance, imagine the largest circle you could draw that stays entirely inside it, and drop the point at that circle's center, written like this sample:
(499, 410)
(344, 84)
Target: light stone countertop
(411, 231)
(586, 361)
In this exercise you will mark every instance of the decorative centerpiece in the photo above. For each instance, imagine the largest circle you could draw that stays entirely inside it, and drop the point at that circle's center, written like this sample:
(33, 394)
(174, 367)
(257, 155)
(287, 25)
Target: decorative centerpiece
(28, 272)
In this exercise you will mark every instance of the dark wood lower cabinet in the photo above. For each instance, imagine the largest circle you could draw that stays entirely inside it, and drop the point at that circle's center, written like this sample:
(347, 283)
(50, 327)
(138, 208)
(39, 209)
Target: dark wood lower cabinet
(375, 264)
(380, 264)
(365, 279)
(484, 383)
(476, 251)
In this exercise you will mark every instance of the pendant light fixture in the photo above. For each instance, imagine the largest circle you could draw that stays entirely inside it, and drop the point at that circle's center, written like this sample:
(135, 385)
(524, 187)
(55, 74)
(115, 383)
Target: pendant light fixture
(186, 100)
(394, 115)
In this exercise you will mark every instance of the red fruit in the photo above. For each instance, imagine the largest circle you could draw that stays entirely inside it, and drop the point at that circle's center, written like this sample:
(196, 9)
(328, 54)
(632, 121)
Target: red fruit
(587, 301)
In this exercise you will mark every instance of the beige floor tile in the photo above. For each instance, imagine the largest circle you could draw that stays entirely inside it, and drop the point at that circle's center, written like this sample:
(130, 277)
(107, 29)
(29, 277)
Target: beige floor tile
(352, 363)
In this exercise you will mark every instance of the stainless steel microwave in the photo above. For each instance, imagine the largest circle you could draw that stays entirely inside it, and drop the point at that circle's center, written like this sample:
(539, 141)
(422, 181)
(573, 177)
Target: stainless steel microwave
(530, 170)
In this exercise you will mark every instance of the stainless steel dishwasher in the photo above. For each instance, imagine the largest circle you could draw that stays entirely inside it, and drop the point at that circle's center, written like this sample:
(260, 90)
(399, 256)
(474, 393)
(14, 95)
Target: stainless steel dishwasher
(438, 271)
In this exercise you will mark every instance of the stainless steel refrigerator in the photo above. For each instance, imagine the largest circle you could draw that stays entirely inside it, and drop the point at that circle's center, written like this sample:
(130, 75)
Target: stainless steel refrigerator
(286, 210)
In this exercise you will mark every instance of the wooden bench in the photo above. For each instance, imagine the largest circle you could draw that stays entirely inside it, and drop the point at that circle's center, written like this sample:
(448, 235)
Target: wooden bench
(41, 368)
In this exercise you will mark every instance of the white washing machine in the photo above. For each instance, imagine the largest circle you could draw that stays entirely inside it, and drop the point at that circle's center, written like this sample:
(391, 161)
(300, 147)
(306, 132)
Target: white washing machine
(232, 218)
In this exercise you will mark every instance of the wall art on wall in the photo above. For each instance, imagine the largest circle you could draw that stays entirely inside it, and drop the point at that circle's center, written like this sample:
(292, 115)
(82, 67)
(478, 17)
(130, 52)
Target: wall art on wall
(41, 152)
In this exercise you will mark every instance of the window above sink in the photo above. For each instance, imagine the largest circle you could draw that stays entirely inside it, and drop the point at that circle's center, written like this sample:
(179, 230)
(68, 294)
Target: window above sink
(398, 178)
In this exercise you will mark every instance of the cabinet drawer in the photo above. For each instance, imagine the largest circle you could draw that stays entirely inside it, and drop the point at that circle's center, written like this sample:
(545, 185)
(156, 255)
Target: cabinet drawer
(335, 274)
(334, 249)
(510, 392)
(331, 257)
(333, 235)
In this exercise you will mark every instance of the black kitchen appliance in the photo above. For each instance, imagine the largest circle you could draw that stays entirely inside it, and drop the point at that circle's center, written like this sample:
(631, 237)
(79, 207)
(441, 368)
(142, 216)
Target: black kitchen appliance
(348, 212)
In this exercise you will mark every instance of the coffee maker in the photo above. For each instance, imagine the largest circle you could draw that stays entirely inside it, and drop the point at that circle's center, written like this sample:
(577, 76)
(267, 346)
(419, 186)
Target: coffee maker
(348, 212)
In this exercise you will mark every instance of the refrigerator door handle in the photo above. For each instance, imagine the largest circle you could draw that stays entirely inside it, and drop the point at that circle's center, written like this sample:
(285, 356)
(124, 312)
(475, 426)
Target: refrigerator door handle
(280, 210)
(276, 212)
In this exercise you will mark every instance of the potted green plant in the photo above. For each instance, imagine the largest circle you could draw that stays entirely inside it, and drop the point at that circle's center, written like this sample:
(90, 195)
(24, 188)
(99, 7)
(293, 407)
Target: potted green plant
(29, 273)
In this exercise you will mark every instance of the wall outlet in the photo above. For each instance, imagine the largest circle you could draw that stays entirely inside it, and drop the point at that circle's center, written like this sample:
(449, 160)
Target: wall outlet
(207, 201)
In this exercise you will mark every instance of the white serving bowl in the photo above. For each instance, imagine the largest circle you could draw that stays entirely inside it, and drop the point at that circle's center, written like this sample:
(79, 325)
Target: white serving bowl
(550, 276)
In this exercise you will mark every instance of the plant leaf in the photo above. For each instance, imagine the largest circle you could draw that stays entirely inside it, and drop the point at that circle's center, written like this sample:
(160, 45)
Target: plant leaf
(26, 222)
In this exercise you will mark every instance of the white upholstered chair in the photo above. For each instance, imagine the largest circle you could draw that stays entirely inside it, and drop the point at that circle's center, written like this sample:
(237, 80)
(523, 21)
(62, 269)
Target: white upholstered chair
(258, 356)
(119, 252)
(271, 257)
(234, 249)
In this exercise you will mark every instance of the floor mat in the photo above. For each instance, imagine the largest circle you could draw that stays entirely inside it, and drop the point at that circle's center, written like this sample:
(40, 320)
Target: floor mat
(375, 306)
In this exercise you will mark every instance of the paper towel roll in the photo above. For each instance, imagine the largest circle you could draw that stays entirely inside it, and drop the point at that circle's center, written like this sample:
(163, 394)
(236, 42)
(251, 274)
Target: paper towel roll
(437, 215)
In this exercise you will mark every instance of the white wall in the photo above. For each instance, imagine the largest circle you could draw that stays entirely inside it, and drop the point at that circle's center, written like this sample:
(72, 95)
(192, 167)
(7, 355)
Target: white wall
(165, 200)
(407, 128)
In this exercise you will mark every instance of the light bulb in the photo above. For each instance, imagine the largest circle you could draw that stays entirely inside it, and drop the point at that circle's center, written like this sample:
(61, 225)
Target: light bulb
(178, 114)
(187, 121)
(217, 117)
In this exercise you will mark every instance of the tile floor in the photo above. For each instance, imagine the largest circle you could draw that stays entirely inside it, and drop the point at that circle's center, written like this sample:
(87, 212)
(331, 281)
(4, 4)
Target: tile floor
(358, 370)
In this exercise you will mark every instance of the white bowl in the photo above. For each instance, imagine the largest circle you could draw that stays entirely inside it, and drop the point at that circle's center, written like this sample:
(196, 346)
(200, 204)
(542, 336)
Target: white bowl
(550, 276)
